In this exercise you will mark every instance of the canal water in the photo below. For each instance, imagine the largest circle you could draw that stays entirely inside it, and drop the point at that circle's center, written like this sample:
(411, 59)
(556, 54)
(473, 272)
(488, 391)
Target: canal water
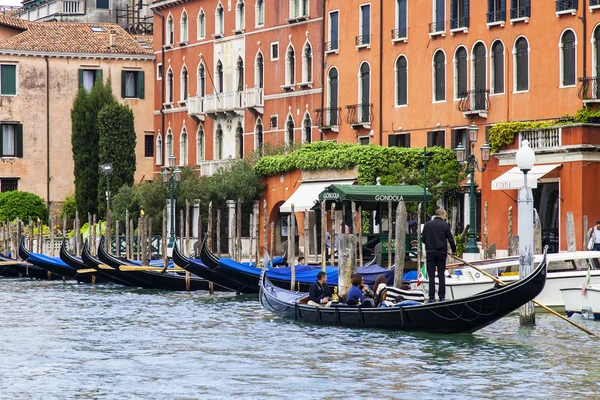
(68, 341)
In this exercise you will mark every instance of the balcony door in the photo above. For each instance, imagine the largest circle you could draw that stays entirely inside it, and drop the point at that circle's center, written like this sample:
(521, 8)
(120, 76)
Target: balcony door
(365, 92)
(480, 76)
(333, 98)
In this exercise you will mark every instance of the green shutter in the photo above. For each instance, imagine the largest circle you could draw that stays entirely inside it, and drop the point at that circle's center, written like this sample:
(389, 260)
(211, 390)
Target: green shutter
(8, 79)
(80, 73)
(140, 84)
(392, 141)
(19, 140)
(123, 74)
(98, 77)
(1, 137)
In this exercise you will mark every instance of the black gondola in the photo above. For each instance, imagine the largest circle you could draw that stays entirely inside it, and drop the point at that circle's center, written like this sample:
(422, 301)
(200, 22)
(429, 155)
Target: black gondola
(78, 264)
(153, 279)
(456, 316)
(109, 273)
(10, 268)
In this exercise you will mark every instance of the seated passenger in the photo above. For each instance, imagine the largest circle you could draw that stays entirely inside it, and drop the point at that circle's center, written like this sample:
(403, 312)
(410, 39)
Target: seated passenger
(319, 293)
(380, 291)
(301, 261)
(356, 294)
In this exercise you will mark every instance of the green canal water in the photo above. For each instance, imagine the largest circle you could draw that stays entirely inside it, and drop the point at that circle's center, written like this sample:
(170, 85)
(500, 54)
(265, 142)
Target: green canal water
(69, 341)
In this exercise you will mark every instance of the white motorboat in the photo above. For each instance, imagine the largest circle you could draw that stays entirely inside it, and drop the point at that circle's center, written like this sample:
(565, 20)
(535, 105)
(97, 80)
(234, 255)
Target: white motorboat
(576, 302)
(564, 270)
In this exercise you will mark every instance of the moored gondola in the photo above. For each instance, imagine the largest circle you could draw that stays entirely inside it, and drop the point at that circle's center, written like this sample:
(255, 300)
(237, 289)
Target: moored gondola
(10, 268)
(81, 267)
(456, 316)
(108, 272)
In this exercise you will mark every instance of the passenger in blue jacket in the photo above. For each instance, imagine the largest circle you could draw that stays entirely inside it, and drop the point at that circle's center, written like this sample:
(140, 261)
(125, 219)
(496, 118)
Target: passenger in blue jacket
(319, 293)
(355, 294)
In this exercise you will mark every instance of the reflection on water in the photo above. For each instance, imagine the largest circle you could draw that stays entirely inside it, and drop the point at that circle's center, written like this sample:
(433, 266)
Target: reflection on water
(69, 341)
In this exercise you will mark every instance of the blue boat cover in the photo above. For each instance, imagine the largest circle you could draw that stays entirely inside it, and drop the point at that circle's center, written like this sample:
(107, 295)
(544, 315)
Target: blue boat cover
(410, 276)
(35, 258)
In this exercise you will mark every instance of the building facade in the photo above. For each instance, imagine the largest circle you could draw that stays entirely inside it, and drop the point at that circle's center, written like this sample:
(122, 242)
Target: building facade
(42, 66)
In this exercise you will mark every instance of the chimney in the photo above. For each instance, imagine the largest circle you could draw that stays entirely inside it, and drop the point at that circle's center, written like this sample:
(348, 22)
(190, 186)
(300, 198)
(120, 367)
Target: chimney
(113, 39)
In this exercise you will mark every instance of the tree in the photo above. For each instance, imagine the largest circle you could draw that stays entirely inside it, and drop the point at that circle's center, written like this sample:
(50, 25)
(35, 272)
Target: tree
(235, 180)
(84, 143)
(22, 205)
(117, 140)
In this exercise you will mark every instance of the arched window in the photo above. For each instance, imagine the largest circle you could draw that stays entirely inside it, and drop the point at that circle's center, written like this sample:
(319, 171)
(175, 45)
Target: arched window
(307, 63)
(170, 88)
(596, 52)
(460, 73)
(219, 20)
(183, 89)
(219, 76)
(201, 80)
(183, 147)
(183, 24)
(201, 25)
(479, 76)
(170, 143)
(307, 129)
(170, 30)
(497, 68)
(159, 150)
(567, 44)
(239, 138)
(259, 71)
(521, 60)
(258, 137)
(364, 93)
(200, 145)
(439, 76)
(289, 131)
(331, 116)
(290, 65)
(239, 71)
(219, 143)
(240, 15)
(260, 12)
(401, 81)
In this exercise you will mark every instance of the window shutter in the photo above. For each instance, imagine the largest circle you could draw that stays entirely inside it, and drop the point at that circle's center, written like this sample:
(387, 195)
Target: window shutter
(490, 7)
(527, 5)
(140, 84)
(1, 141)
(453, 138)
(430, 139)
(453, 6)
(8, 77)
(19, 140)
(392, 141)
(98, 77)
(123, 77)
(80, 74)
(466, 12)
(402, 16)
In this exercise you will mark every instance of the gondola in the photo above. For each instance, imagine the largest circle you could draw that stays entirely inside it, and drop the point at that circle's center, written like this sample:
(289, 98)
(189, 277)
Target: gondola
(80, 266)
(456, 316)
(152, 279)
(10, 268)
(109, 273)
(305, 275)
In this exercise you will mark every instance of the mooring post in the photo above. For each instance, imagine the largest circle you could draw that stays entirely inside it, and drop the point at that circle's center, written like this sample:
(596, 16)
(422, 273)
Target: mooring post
(346, 261)
(187, 228)
(360, 238)
(390, 235)
(256, 231)
(292, 245)
(585, 233)
(108, 232)
(485, 230)
(238, 231)
(537, 233)
(165, 255)
(332, 241)
(323, 236)
(265, 228)
(306, 235)
(127, 250)
(209, 228)
(218, 232)
(231, 226)
(272, 243)
(510, 231)
(51, 229)
(400, 243)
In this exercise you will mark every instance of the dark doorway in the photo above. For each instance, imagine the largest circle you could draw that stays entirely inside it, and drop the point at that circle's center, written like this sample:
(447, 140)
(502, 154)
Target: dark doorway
(546, 200)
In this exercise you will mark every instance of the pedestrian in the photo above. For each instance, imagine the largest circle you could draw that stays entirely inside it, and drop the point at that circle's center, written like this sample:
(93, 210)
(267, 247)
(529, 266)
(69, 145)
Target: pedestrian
(436, 235)
(594, 237)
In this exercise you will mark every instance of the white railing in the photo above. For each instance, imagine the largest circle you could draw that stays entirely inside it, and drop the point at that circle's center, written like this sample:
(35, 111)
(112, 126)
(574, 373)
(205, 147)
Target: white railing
(51, 8)
(72, 7)
(213, 102)
(208, 168)
(222, 102)
(542, 138)
(254, 97)
(196, 105)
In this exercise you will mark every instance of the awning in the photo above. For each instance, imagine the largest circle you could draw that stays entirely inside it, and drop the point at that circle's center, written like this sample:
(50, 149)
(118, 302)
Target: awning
(513, 179)
(304, 197)
(374, 193)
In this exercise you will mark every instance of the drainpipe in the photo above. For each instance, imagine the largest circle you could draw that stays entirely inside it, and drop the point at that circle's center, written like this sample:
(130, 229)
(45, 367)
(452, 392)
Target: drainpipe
(584, 23)
(381, 72)
(47, 132)
(323, 67)
(162, 85)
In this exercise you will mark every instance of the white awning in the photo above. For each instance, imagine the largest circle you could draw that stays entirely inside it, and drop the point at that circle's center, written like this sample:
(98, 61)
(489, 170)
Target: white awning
(513, 179)
(304, 197)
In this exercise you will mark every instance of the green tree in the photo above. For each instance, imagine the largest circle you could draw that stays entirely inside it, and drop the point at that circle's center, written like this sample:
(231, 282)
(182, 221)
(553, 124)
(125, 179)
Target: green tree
(235, 180)
(69, 207)
(22, 205)
(117, 140)
(125, 199)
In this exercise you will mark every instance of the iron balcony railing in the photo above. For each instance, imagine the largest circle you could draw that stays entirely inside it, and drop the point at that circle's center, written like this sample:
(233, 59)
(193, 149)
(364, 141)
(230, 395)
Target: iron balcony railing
(438, 26)
(399, 33)
(363, 40)
(590, 89)
(542, 138)
(566, 5)
(332, 45)
(496, 16)
(520, 12)
(459, 23)
(474, 101)
(328, 117)
(359, 114)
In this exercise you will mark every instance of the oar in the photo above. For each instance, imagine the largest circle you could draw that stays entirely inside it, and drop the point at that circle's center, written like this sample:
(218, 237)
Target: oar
(535, 301)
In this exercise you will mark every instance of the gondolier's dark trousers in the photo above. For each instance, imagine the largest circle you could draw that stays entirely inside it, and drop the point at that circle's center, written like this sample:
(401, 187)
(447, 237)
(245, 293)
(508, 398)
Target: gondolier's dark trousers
(435, 260)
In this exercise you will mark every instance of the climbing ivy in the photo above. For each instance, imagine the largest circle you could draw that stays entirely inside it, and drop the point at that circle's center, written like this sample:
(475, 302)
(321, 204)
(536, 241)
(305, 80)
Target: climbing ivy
(503, 133)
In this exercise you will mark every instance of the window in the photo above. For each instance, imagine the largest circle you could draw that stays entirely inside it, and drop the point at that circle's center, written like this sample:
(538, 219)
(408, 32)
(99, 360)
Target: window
(132, 84)
(219, 143)
(170, 89)
(274, 51)
(170, 31)
(331, 117)
(460, 136)
(200, 145)
(520, 9)
(183, 147)
(159, 149)
(239, 72)
(497, 68)
(298, 9)
(219, 20)
(240, 16)
(439, 76)
(220, 77)
(148, 145)
(87, 78)
(334, 31)
(459, 14)
(7, 185)
(363, 140)
(201, 81)
(364, 86)
(566, 5)
(183, 86)
(289, 131)
(201, 28)
(401, 31)
(290, 66)
(183, 25)
(460, 73)
(479, 79)
(401, 81)
(239, 136)
(307, 129)
(274, 123)
(159, 72)
(103, 4)
(307, 63)
(8, 80)
(11, 140)
(258, 137)
(521, 64)
(259, 69)
(260, 13)
(436, 138)
(170, 143)
(496, 11)
(439, 17)
(399, 140)
(364, 37)
(567, 45)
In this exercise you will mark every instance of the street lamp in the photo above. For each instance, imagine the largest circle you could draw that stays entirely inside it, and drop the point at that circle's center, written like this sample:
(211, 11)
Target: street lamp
(472, 164)
(171, 175)
(107, 170)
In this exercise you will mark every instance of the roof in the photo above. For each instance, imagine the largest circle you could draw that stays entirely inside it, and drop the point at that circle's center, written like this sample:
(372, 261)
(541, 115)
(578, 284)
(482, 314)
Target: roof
(374, 193)
(147, 41)
(72, 37)
(13, 22)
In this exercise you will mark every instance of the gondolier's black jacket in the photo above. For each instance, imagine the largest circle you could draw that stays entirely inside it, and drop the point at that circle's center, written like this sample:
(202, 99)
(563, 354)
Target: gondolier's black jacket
(435, 234)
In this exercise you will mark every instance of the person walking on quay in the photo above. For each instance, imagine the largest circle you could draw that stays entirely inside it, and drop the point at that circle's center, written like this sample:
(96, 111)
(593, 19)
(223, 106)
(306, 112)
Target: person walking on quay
(436, 235)
(594, 237)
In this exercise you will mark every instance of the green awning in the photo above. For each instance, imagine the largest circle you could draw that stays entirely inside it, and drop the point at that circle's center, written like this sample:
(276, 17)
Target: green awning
(374, 193)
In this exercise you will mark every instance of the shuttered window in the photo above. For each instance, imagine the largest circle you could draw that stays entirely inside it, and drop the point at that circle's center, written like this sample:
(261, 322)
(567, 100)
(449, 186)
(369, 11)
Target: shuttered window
(522, 64)
(401, 81)
(132, 84)
(498, 68)
(436, 138)
(87, 78)
(568, 58)
(439, 76)
(8, 79)
(11, 140)
(461, 73)
(399, 140)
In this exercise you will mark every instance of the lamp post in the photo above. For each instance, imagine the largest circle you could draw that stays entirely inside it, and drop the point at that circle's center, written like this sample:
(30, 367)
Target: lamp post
(472, 164)
(171, 175)
(107, 170)
(525, 159)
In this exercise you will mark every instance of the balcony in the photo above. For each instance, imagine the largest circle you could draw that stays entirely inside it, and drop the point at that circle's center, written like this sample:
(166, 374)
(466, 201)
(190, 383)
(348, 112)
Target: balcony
(496, 18)
(437, 28)
(363, 41)
(589, 91)
(224, 103)
(255, 101)
(196, 108)
(209, 168)
(332, 46)
(460, 24)
(543, 138)
(474, 102)
(52, 8)
(519, 14)
(566, 7)
(360, 116)
(329, 119)
(400, 35)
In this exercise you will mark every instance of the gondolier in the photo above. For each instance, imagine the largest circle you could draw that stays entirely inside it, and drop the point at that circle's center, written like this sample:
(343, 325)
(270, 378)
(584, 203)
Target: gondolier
(436, 235)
